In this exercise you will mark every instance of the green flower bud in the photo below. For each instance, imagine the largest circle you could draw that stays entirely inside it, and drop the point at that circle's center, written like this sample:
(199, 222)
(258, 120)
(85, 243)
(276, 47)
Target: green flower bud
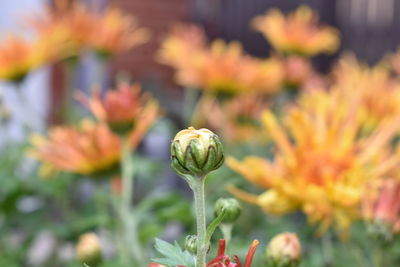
(284, 250)
(88, 250)
(232, 209)
(196, 152)
(191, 244)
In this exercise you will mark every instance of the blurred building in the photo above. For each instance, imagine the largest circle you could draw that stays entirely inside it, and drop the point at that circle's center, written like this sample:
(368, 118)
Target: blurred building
(368, 27)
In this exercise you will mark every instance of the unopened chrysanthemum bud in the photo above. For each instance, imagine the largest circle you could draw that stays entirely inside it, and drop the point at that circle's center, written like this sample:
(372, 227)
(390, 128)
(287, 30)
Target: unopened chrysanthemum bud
(191, 243)
(231, 207)
(88, 249)
(284, 250)
(196, 152)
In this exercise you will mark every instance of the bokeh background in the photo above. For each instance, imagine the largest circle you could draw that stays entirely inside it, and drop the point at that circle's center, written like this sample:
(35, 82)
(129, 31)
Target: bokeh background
(41, 220)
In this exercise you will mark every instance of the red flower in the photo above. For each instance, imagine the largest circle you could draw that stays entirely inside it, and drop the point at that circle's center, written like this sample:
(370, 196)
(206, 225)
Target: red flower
(223, 260)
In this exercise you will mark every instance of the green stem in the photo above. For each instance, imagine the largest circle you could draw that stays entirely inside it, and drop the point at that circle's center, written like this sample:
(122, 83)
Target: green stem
(189, 102)
(226, 229)
(199, 203)
(128, 218)
(327, 249)
(378, 258)
(69, 84)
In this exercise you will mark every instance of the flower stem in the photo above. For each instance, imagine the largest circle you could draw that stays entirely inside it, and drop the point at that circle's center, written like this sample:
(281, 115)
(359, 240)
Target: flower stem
(189, 103)
(226, 229)
(327, 249)
(128, 218)
(199, 203)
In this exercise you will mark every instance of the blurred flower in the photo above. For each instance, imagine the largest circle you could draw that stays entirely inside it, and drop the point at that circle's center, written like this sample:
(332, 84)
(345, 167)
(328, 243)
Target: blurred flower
(154, 264)
(298, 70)
(115, 32)
(322, 164)
(235, 119)
(393, 59)
(88, 249)
(19, 56)
(77, 27)
(221, 68)
(381, 207)
(298, 33)
(284, 250)
(196, 152)
(223, 260)
(69, 24)
(123, 109)
(377, 90)
(87, 150)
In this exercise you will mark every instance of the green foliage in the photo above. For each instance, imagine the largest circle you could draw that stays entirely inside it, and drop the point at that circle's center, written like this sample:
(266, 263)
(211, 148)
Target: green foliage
(173, 255)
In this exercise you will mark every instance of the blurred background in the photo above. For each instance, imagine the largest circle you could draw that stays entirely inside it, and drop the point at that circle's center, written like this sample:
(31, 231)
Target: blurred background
(367, 27)
(42, 219)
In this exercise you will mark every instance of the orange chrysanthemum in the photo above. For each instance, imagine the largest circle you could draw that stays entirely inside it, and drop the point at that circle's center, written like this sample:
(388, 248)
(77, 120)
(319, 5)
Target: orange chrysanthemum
(87, 150)
(19, 56)
(81, 27)
(124, 108)
(116, 33)
(218, 68)
(298, 33)
(377, 90)
(322, 163)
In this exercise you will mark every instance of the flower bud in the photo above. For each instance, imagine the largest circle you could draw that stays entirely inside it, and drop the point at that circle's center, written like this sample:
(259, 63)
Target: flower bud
(196, 152)
(191, 244)
(231, 207)
(284, 250)
(88, 250)
(154, 264)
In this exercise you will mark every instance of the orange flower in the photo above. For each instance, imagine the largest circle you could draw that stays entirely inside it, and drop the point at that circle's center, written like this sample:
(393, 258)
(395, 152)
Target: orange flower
(236, 119)
(78, 27)
(381, 204)
(87, 150)
(67, 24)
(183, 50)
(298, 71)
(19, 56)
(298, 33)
(377, 90)
(116, 32)
(123, 109)
(218, 68)
(322, 164)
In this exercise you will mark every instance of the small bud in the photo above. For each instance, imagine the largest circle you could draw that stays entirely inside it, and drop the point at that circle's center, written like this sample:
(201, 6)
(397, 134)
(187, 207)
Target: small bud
(232, 209)
(88, 249)
(154, 264)
(284, 250)
(196, 152)
(191, 244)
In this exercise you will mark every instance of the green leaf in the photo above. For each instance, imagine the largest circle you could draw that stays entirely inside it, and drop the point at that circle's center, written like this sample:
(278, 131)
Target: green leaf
(173, 254)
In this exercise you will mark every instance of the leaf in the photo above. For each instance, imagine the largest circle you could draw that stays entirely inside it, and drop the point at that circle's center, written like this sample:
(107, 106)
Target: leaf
(173, 254)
